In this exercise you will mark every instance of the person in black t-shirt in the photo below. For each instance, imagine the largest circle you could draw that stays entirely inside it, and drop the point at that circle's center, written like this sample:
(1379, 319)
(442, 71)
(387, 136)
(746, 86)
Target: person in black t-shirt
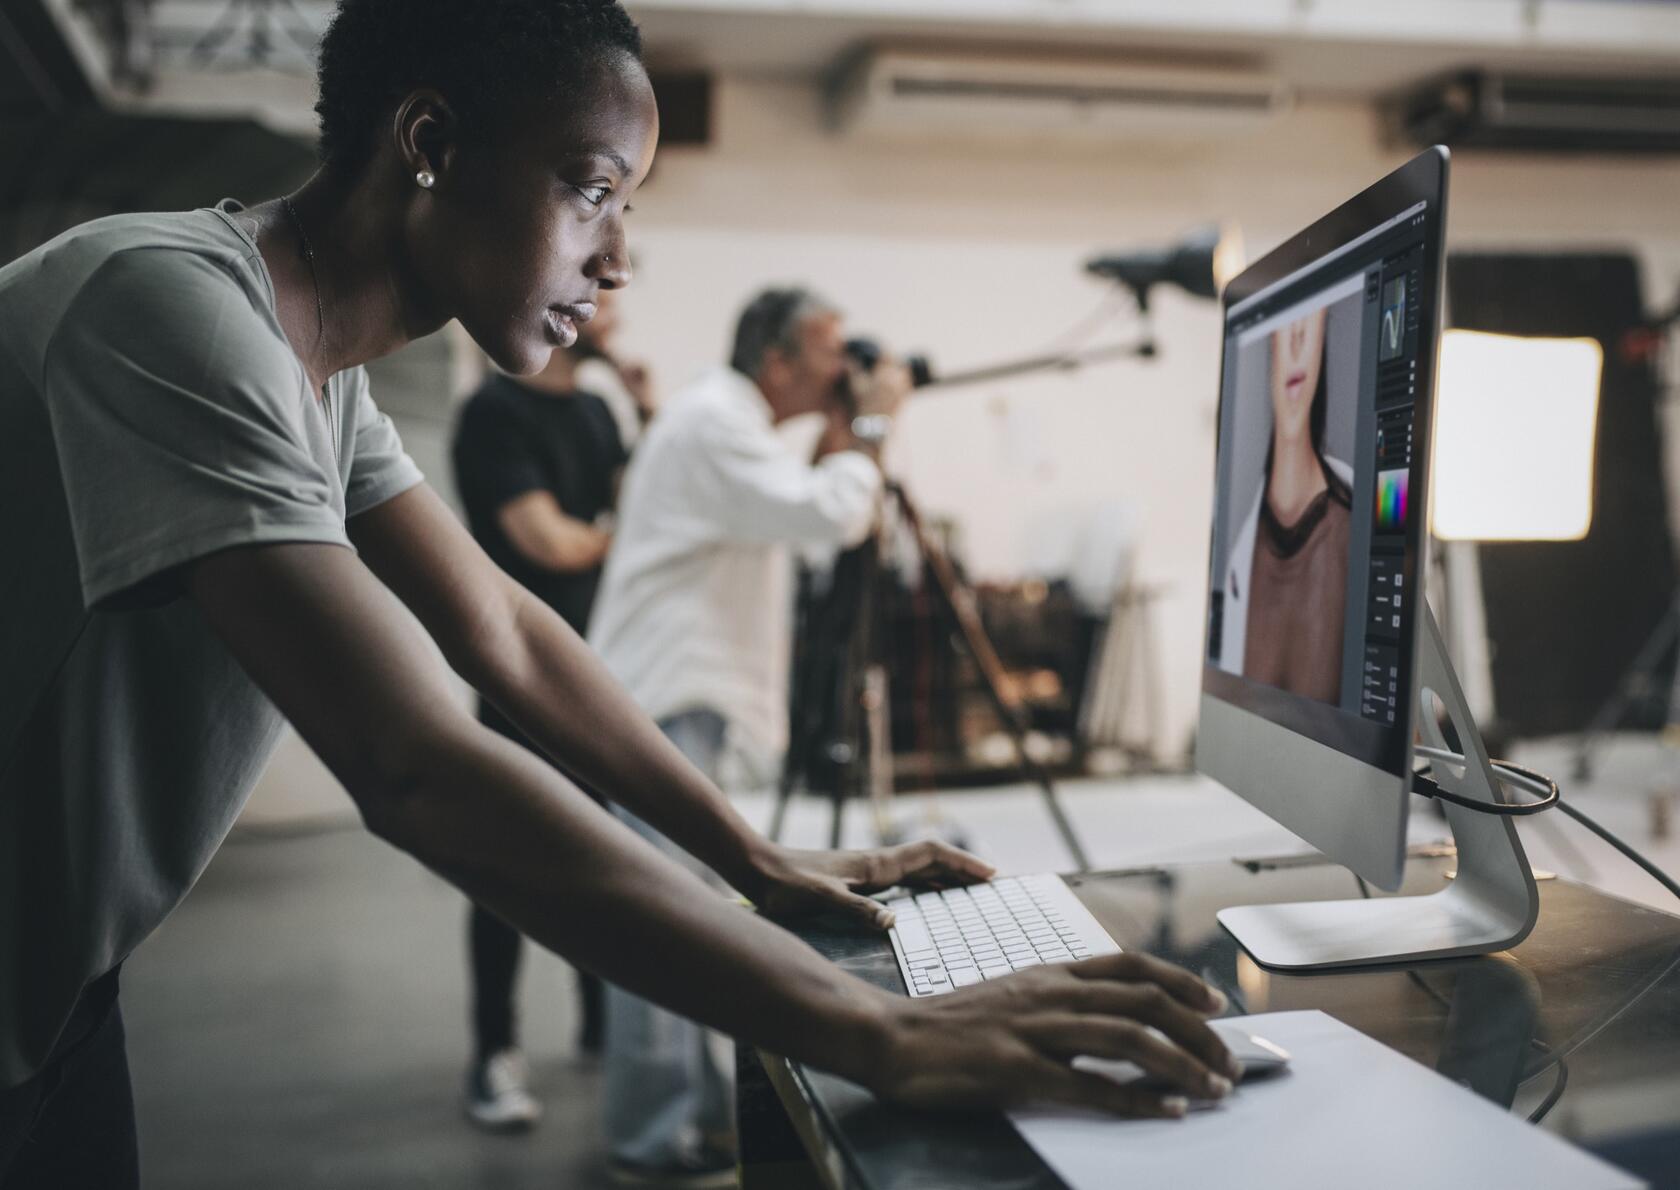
(537, 462)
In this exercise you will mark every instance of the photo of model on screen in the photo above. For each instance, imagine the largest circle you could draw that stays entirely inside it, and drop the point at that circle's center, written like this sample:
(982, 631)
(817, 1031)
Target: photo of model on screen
(1285, 589)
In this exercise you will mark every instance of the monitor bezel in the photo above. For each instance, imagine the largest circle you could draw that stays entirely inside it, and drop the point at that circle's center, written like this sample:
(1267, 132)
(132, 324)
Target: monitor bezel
(1251, 736)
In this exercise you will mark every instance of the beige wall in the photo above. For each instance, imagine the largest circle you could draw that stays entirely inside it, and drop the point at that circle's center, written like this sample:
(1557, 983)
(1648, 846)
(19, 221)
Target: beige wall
(972, 252)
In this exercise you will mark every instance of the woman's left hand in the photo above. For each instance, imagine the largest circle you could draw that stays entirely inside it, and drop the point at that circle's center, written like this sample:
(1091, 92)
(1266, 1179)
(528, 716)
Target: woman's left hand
(799, 883)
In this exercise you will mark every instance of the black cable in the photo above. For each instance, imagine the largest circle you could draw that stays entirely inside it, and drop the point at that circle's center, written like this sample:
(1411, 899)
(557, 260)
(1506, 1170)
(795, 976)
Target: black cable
(1556, 1093)
(1508, 773)
(1651, 870)
(1427, 786)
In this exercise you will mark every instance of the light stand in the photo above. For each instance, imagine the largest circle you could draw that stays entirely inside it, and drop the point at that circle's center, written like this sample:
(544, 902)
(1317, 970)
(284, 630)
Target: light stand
(1067, 361)
(1200, 264)
(1640, 680)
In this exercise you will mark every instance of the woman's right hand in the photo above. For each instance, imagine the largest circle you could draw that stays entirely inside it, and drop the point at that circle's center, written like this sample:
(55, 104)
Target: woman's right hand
(1011, 1042)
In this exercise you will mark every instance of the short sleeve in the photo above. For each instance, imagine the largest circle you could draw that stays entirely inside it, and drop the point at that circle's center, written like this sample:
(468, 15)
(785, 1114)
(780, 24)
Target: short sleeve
(595, 375)
(379, 468)
(614, 451)
(495, 459)
(176, 414)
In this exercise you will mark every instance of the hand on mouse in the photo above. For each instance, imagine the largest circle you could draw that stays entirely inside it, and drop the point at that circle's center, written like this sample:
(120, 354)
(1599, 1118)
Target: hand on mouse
(1011, 1042)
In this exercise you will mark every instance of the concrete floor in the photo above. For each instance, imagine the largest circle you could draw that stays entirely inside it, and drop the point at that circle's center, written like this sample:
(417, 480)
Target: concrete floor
(301, 1020)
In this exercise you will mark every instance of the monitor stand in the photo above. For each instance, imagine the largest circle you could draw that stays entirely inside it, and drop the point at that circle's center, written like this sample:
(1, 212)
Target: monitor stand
(1490, 906)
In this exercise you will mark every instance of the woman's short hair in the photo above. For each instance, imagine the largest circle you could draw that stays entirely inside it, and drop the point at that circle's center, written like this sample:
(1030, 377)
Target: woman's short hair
(483, 56)
(772, 320)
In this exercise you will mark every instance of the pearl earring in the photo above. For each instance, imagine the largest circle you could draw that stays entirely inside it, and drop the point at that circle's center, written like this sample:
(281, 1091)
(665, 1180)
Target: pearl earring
(426, 178)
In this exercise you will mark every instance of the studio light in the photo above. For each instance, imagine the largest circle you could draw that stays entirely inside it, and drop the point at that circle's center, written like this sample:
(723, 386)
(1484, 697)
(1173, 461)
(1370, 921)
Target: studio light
(1514, 437)
(1200, 264)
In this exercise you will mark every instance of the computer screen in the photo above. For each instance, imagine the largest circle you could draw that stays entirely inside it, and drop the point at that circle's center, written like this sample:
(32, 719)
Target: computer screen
(1318, 509)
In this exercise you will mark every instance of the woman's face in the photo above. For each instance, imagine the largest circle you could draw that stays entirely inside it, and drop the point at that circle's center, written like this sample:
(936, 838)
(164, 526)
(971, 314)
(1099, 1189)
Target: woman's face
(524, 232)
(1297, 359)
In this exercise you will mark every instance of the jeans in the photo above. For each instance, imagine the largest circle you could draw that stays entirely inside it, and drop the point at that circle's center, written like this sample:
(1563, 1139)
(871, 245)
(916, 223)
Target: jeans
(72, 1124)
(668, 1086)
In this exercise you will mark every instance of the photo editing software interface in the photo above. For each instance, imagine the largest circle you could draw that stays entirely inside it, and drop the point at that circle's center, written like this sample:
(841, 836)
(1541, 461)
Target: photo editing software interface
(1310, 604)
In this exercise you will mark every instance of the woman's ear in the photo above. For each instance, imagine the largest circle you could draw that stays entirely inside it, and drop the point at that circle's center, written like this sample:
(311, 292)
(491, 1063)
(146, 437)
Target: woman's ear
(425, 129)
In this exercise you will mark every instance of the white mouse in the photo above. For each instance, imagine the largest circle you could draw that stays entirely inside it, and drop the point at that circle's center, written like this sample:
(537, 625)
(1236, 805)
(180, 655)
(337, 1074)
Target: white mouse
(1258, 1056)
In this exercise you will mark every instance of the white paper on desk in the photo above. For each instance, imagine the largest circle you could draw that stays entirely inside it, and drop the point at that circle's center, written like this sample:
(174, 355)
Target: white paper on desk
(1348, 1112)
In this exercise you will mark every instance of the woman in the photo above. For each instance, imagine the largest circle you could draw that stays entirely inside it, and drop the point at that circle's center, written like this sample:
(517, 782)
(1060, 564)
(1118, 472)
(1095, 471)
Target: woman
(1286, 586)
(537, 462)
(220, 529)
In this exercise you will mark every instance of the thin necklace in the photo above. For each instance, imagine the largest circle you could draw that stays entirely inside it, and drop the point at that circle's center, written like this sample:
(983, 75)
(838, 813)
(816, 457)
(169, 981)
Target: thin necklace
(320, 307)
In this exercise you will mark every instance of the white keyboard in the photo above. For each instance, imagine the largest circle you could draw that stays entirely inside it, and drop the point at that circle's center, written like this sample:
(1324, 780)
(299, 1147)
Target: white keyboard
(960, 936)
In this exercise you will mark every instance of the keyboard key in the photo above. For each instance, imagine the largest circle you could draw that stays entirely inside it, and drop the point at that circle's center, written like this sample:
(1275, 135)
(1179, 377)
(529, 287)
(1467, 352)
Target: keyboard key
(961, 936)
(912, 935)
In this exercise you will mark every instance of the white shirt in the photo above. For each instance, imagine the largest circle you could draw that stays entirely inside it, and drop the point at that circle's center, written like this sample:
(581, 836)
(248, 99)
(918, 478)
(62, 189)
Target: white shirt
(694, 609)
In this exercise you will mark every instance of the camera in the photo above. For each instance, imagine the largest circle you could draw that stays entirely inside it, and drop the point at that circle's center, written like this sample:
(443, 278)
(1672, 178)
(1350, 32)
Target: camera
(866, 353)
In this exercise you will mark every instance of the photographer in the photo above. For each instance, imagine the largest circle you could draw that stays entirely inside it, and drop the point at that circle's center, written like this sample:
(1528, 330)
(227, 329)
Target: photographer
(694, 619)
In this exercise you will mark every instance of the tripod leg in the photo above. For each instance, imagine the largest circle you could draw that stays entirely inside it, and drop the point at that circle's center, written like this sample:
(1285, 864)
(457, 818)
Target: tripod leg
(959, 604)
(1637, 676)
(878, 773)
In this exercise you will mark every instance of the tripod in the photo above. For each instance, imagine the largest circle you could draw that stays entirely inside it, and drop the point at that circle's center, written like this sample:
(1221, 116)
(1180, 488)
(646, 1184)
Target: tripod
(840, 728)
(1642, 682)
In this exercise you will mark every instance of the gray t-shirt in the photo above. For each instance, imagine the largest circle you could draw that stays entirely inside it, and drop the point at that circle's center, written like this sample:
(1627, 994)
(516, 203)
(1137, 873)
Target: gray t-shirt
(151, 413)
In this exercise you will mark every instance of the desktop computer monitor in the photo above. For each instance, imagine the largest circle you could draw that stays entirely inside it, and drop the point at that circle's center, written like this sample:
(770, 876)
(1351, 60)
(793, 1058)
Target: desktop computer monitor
(1316, 615)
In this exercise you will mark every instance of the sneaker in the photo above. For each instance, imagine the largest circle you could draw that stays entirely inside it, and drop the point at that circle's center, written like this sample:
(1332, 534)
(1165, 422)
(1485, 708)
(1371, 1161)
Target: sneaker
(710, 1169)
(497, 1100)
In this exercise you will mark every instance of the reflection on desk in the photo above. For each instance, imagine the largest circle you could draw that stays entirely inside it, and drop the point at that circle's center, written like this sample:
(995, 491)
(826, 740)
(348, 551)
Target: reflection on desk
(1580, 1025)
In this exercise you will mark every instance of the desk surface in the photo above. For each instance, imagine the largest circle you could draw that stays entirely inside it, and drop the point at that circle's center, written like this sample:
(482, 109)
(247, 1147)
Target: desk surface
(1597, 982)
